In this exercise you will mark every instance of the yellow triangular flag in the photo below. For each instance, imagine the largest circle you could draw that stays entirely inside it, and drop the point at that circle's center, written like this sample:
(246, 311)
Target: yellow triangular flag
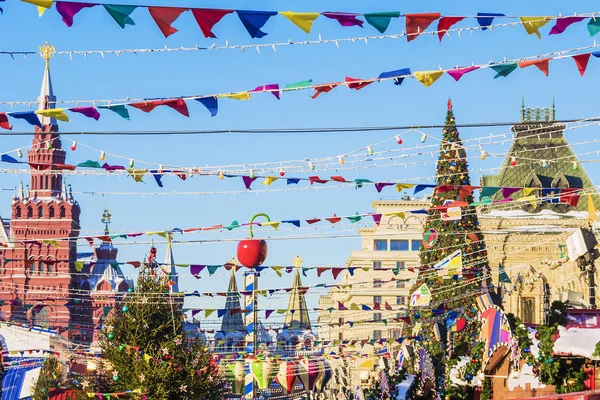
(269, 180)
(237, 96)
(528, 191)
(161, 234)
(401, 186)
(137, 174)
(57, 113)
(274, 224)
(303, 21)
(78, 265)
(592, 216)
(367, 364)
(278, 270)
(207, 312)
(354, 307)
(428, 77)
(533, 24)
(42, 5)
(531, 199)
(400, 214)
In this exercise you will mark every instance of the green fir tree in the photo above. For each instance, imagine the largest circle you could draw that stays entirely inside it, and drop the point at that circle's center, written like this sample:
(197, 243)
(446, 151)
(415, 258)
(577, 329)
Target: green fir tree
(51, 377)
(145, 348)
(451, 290)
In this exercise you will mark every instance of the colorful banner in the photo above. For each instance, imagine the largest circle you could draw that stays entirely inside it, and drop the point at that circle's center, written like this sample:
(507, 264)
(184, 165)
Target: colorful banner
(421, 297)
(451, 265)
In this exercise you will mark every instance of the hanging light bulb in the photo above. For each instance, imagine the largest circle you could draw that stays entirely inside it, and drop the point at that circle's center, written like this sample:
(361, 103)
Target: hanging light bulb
(251, 174)
(160, 168)
(19, 153)
(281, 172)
(575, 166)
(102, 155)
(131, 162)
(544, 164)
(423, 138)
(483, 155)
(513, 162)
(370, 149)
(48, 144)
(74, 146)
(312, 166)
(221, 175)
(398, 140)
(342, 160)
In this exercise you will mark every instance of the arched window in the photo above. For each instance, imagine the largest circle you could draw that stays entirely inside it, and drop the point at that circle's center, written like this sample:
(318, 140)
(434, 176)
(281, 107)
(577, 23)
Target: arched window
(40, 317)
(51, 212)
(50, 267)
(29, 212)
(40, 212)
(62, 212)
(40, 267)
(46, 182)
(18, 212)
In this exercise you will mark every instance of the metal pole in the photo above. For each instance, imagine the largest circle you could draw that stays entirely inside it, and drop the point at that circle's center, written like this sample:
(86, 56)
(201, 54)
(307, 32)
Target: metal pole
(592, 282)
(251, 307)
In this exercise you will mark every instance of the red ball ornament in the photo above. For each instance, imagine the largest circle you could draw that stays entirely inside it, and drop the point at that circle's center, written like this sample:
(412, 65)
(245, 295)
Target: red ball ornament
(252, 252)
(281, 173)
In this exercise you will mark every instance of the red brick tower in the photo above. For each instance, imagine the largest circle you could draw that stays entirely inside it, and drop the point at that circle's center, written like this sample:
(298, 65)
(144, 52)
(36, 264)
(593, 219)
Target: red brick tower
(38, 274)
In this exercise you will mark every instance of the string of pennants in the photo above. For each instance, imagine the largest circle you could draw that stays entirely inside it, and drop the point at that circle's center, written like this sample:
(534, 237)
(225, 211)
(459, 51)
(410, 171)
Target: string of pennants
(570, 196)
(255, 20)
(211, 102)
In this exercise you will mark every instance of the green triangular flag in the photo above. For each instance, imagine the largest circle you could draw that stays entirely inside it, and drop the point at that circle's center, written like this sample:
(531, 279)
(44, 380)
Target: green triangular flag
(298, 85)
(594, 26)
(89, 164)
(107, 310)
(212, 268)
(504, 69)
(359, 182)
(396, 270)
(78, 265)
(120, 13)
(119, 109)
(502, 276)
(381, 20)
(354, 218)
(233, 225)
(121, 235)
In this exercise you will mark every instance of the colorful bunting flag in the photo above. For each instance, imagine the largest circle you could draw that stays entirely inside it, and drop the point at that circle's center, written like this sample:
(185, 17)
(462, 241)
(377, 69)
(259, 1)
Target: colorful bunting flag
(253, 21)
(42, 5)
(398, 75)
(581, 60)
(68, 10)
(427, 78)
(4, 124)
(119, 109)
(273, 88)
(211, 104)
(564, 23)
(457, 73)
(56, 113)
(164, 17)
(302, 20)
(207, 18)
(237, 96)
(120, 13)
(417, 23)
(89, 112)
(504, 70)
(381, 20)
(542, 64)
(298, 85)
(445, 23)
(533, 24)
(593, 26)
(323, 89)
(137, 174)
(485, 20)
(343, 18)
(354, 83)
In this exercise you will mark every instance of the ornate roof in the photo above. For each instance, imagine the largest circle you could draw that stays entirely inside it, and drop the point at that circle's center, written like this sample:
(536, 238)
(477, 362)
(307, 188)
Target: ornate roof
(296, 317)
(536, 147)
(232, 322)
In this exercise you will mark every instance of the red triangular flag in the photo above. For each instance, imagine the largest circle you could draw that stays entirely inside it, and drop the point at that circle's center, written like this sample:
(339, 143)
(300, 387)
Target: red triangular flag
(178, 105)
(323, 89)
(146, 106)
(336, 271)
(207, 18)
(334, 219)
(387, 306)
(320, 270)
(446, 23)
(376, 306)
(417, 23)
(581, 60)
(4, 124)
(338, 178)
(354, 83)
(164, 17)
(541, 64)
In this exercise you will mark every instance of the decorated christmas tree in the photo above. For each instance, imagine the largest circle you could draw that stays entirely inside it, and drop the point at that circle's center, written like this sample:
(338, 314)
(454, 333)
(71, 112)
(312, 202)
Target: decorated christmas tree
(146, 349)
(454, 269)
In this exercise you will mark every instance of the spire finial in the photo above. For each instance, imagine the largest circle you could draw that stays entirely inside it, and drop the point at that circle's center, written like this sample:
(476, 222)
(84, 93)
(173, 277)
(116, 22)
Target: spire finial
(523, 107)
(47, 52)
(106, 221)
(449, 104)
(553, 109)
(297, 261)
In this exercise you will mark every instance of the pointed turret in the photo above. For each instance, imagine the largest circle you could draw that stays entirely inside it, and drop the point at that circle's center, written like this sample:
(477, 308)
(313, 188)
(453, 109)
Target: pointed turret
(296, 317)
(21, 193)
(232, 321)
(170, 266)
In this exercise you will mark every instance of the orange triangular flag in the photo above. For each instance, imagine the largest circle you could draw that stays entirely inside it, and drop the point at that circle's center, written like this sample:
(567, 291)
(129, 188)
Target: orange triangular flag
(541, 64)
(417, 23)
(582, 61)
(164, 17)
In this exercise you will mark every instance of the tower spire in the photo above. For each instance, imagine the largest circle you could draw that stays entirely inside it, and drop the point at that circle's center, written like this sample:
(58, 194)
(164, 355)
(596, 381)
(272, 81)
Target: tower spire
(298, 318)
(232, 320)
(170, 265)
(47, 99)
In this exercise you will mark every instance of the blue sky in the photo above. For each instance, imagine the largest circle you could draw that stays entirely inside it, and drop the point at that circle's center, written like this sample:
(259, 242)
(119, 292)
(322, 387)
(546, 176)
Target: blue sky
(477, 98)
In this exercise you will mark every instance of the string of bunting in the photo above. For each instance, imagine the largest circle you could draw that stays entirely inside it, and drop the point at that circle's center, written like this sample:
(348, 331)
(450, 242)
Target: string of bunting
(255, 20)
(211, 102)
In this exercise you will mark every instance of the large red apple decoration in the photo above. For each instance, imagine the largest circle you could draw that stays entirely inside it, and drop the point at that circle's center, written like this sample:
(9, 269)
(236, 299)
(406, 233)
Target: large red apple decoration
(252, 252)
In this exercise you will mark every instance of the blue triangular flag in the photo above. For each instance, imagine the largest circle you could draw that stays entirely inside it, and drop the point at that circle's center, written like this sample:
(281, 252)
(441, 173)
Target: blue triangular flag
(395, 74)
(254, 20)
(485, 19)
(295, 222)
(211, 104)
(29, 116)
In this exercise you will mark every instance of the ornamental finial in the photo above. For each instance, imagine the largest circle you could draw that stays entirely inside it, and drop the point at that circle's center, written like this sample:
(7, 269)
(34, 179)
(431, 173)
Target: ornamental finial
(106, 221)
(297, 261)
(47, 52)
